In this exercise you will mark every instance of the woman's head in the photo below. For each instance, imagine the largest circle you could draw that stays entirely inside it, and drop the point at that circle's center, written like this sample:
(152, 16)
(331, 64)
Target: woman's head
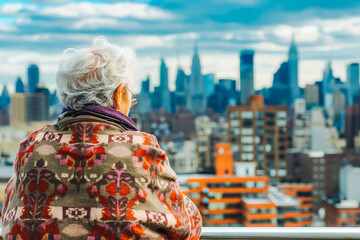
(92, 75)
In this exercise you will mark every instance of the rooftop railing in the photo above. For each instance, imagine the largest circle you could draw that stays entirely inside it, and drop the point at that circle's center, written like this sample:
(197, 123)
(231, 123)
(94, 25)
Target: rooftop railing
(262, 233)
(276, 233)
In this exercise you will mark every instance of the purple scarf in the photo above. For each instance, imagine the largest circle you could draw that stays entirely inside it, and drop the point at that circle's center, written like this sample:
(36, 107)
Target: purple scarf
(128, 122)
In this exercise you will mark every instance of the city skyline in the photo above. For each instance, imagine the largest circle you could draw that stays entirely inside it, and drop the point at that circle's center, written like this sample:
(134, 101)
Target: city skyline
(41, 30)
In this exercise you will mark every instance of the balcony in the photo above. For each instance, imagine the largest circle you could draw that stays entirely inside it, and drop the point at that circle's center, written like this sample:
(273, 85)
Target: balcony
(222, 233)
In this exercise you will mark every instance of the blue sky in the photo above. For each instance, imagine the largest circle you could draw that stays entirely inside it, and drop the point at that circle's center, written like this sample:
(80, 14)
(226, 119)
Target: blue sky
(38, 32)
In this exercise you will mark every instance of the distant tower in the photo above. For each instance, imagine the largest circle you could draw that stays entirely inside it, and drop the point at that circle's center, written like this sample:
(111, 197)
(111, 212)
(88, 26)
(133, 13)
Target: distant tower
(352, 80)
(326, 88)
(164, 86)
(293, 71)
(181, 87)
(197, 97)
(19, 86)
(4, 98)
(145, 85)
(246, 74)
(33, 77)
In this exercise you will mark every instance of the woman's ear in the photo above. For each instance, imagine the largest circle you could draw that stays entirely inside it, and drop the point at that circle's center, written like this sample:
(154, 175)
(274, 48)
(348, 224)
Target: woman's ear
(119, 94)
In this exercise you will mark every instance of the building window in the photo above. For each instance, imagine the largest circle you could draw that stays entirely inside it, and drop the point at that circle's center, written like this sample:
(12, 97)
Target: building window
(247, 139)
(235, 148)
(282, 172)
(259, 148)
(259, 131)
(247, 123)
(259, 115)
(234, 114)
(259, 123)
(247, 148)
(343, 215)
(270, 164)
(269, 148)
(247, 115)
(282, 164)
(234, 123)
(281, 123)
(235, 131)
(260, 156)
(270, 123)
(257, 139)
(247, 131)
(247, 156)
(281, 114)
(270, 114)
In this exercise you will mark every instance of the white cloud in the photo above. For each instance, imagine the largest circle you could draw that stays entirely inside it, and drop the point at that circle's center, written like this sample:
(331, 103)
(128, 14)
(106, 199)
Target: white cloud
(12, 8)
(7, 28)
(96, 23)
(346, 26)
(307, 33)
(116, 10)
(267, 46)
(283, 31)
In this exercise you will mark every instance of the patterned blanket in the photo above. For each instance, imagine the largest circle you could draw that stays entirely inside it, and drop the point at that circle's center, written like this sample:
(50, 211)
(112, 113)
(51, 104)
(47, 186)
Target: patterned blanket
(88, 180)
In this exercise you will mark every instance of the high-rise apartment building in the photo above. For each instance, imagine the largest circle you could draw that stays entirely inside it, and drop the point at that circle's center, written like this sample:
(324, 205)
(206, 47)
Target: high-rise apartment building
(321, 170)
(311, 95)
(29, 107)
(352, 124)
(246, 74)
(258, 133)
(33, 77)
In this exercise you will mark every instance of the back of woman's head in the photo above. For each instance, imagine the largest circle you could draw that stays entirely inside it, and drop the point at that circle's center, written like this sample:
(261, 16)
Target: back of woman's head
(91, 75)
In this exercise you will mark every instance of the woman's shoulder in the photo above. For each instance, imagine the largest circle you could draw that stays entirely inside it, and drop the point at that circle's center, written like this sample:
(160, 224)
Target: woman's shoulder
(95, 132)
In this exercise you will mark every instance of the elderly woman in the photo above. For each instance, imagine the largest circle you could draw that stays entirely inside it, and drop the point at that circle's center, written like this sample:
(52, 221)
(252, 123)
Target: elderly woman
(93, 175)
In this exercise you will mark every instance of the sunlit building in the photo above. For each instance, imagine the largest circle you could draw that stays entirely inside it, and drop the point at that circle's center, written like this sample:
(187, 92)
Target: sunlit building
(258, 133)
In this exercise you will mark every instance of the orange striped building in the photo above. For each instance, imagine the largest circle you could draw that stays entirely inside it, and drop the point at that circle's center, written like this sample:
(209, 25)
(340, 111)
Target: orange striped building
(246, 200)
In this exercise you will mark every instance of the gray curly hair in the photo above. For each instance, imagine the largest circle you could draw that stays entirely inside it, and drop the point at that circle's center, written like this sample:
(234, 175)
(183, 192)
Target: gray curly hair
(92, 74)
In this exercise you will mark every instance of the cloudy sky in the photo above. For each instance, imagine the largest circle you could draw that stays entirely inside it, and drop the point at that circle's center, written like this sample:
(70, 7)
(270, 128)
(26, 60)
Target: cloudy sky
(38, 31)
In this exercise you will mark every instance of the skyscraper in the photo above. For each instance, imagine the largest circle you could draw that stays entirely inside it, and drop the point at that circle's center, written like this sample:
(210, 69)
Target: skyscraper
(181, 86)
(293, 71)
(33, 77)
(353, 84)
(4, 98)
(246, 74)
(197, 97)
(164, 86)
(19, 86)
(280, 92)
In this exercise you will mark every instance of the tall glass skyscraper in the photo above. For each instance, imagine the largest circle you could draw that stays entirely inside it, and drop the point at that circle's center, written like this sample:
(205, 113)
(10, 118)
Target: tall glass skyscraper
(197, 96)
(353, 84)
(164, 86)
(246, 74)
(33, 77)
(293, 71)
